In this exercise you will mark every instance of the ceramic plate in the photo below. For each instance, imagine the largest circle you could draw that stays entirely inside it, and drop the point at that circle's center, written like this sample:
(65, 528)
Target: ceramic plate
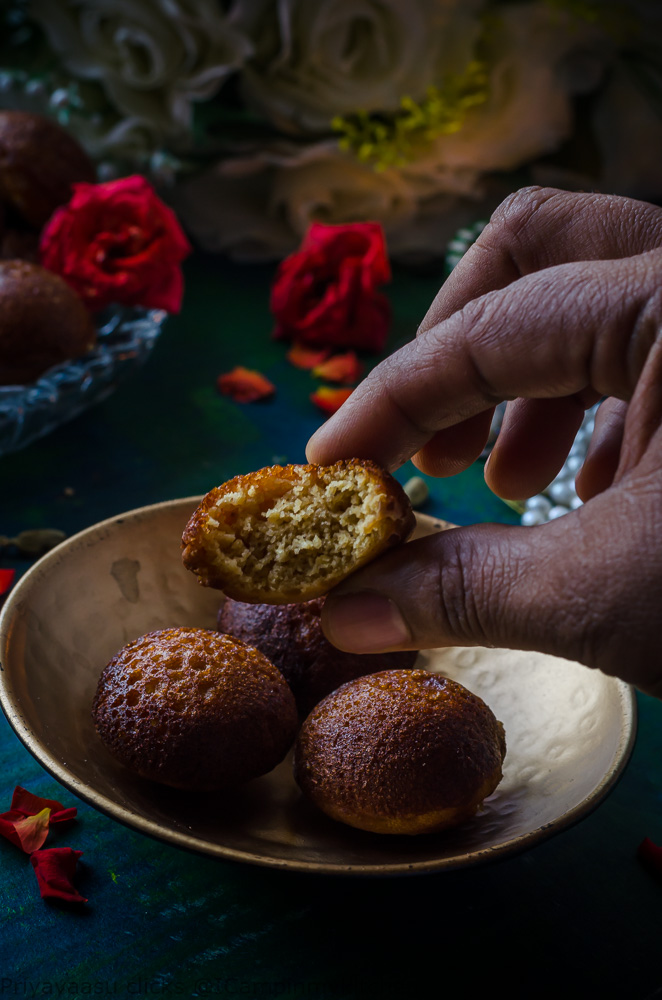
(569, 730)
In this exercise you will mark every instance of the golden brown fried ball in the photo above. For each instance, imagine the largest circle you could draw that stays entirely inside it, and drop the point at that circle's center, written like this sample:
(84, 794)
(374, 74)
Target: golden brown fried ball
(290, 533)
(194, 709)
(401, 751)
(291, 636)
(43, 322)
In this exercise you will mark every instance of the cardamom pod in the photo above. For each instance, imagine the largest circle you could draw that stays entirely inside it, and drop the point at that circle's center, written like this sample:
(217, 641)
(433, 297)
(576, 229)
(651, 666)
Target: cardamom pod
(36, 541)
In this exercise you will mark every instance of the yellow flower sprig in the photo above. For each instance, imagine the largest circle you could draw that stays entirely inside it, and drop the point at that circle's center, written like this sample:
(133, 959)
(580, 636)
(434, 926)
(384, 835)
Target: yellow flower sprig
(387, 140)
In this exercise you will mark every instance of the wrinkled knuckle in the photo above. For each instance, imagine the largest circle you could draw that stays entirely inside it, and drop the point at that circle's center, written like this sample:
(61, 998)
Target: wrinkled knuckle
(648, 324)
(482, 327)
(465, 577)
(646, 331)
(517, 210)
(403, 405)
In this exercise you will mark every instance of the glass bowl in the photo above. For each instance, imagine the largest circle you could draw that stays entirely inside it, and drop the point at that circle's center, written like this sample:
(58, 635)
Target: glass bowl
(126, 337)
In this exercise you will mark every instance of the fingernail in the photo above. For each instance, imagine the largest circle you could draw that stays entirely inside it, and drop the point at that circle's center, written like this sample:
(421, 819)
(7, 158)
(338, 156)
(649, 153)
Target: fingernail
(364, 622)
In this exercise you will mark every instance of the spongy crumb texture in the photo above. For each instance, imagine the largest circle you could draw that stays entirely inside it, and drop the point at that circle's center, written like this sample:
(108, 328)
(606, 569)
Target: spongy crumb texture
(194, 709)
(400, 752)
(290, 533)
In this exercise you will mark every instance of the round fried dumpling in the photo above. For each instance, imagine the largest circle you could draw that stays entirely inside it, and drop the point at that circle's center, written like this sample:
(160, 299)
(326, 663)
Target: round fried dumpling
(290, 533)
(400, 751)
(291, 636)
(39, 164)
(43, 322)
(194, 709)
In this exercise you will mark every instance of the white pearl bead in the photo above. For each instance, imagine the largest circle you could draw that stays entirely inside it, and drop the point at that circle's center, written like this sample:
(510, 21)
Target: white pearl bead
(532, 517)
(562, 492)
(574, 463)
(539, 502)
(34, 87)
(59, 98)
(557, 512)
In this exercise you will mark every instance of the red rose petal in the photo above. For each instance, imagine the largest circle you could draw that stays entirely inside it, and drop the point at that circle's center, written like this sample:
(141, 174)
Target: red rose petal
(27, 833)
(27, 823)
(55, 868)
(362, 239)
(29, 804)
(344, 368)
(8, 821)
(306, 357)
(6, 580)
(33, 830)
(245, 385)
(325, 294)
(329, 400)
(650, 855)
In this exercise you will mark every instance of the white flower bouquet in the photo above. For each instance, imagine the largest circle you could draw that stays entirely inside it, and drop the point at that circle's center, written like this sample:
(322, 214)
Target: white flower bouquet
(261, 116)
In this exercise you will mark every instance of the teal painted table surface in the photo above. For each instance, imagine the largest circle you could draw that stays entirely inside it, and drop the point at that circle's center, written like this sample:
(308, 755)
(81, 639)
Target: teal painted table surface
(575, 916)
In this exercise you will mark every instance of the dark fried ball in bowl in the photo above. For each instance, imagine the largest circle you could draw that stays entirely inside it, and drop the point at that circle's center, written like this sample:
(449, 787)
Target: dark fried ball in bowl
(400, 752)
(291, 636)
(43, 322)
(290, 533)
(194, 709)
(39, 163)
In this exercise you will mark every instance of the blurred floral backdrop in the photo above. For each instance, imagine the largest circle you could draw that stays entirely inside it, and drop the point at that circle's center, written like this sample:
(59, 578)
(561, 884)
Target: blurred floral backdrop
(256, 117)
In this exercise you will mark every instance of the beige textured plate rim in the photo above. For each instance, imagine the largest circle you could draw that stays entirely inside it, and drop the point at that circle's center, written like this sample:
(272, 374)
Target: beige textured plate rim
(136, 821)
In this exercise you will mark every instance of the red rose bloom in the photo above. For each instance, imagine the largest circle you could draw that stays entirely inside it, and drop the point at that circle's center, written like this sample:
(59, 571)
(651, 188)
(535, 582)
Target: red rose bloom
(325, 294)
(117, 242)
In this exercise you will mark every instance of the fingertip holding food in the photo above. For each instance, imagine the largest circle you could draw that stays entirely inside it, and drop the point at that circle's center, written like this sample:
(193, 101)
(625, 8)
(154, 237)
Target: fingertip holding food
(364, 622)
(287, 534)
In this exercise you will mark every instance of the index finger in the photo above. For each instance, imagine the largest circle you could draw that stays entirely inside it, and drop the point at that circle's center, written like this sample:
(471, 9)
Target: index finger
(536, 228)
(548, 335)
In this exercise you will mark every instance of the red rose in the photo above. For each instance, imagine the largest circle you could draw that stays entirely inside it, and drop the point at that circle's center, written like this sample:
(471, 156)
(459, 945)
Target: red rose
(325, 294)
(117, 242)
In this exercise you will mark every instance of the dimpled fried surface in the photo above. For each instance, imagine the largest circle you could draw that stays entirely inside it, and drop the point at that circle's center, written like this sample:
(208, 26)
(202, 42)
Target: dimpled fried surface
(291, 636)
(42, 322)
(287, 534)
(194, 709)
(400, 751)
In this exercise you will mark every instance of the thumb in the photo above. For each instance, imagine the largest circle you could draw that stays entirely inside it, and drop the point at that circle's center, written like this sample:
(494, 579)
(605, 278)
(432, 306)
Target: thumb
(570, 588)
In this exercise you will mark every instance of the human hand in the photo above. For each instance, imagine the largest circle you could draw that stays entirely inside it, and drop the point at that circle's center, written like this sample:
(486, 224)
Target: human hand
(557, 304)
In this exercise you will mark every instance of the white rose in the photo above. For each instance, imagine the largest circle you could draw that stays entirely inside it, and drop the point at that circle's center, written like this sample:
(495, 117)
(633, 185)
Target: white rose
(316, 60)
(258, 206)
(153, 57)
(538, 59)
